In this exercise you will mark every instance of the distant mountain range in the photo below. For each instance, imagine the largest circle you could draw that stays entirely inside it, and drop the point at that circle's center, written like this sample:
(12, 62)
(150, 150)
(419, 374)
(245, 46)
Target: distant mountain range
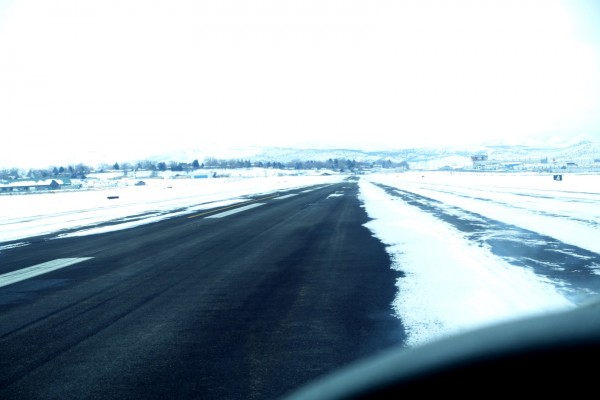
(585, 152)
(456, 157)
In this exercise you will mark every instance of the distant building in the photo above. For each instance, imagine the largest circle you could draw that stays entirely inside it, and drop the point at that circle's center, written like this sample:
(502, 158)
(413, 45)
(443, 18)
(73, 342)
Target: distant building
(480, 161)
(24, 185)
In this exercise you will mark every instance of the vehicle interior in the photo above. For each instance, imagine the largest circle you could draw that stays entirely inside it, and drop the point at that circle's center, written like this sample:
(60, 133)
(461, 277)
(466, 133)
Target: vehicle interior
(541, 356)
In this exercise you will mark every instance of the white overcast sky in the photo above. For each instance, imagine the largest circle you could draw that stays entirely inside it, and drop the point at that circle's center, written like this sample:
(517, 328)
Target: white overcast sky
(128, 78)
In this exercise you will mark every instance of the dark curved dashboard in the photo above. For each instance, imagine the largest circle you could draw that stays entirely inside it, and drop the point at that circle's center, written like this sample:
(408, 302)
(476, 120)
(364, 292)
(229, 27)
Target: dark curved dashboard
(547, 355)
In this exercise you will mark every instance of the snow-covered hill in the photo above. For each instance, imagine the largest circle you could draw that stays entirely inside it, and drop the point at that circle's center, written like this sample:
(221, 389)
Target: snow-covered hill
(583, 153)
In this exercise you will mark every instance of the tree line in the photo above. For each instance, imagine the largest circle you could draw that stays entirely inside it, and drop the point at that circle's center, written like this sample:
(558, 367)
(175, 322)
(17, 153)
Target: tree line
(80, 171)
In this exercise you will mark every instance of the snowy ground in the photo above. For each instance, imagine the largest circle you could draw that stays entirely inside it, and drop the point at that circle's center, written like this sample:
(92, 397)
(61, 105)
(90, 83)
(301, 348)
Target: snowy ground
(453, 279)
(441, 230)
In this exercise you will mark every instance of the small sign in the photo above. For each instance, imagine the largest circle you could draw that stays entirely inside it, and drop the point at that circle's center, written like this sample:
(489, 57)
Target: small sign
(558, 177)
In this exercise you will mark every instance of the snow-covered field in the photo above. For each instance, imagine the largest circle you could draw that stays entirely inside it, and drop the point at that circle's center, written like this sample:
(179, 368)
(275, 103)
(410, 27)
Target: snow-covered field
(452, 282)
(449, 283)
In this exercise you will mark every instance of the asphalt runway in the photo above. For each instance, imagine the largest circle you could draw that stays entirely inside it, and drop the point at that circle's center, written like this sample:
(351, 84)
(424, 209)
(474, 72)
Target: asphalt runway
(245, 302)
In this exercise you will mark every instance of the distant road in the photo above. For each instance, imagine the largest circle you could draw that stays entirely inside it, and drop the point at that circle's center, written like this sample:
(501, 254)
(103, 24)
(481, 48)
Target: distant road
(243, 302)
